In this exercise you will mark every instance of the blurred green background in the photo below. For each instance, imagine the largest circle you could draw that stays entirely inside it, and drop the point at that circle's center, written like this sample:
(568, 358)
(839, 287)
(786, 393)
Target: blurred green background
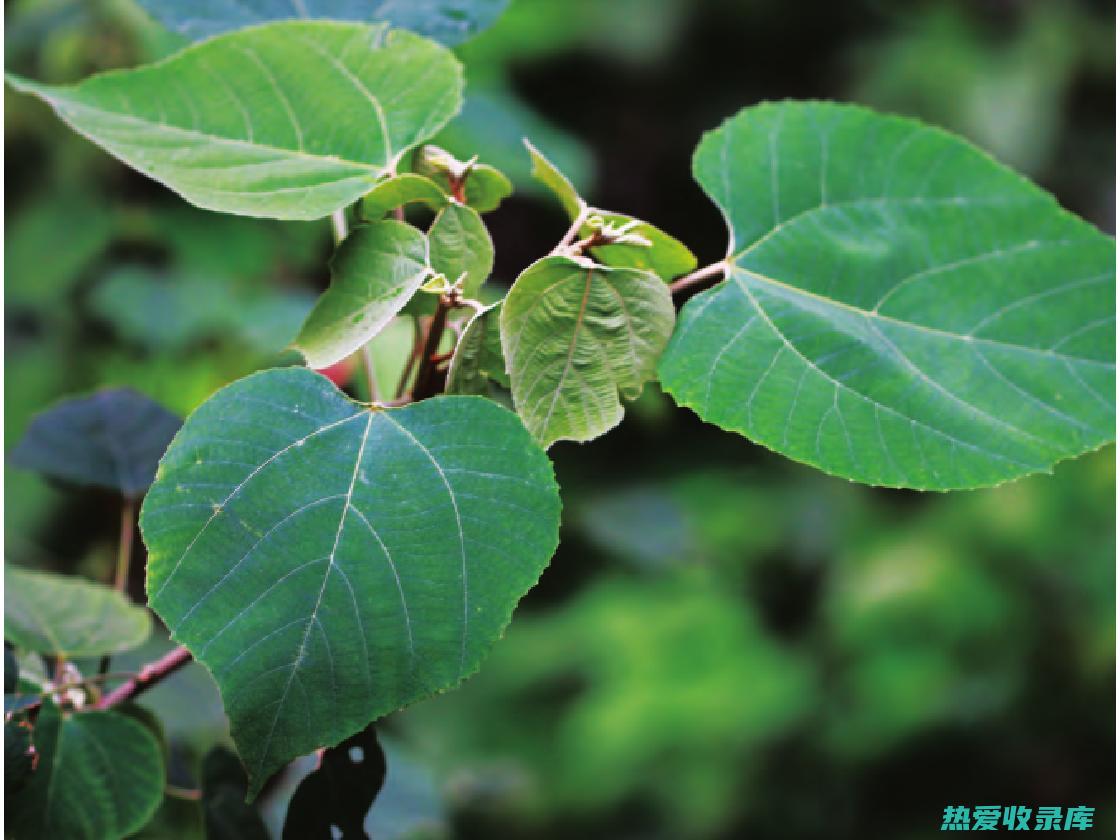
(727, 644)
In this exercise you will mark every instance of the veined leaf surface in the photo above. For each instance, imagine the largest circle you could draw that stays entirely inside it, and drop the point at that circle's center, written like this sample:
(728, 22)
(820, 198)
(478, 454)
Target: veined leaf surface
(330, 564)
(289, 120)
(900, 309)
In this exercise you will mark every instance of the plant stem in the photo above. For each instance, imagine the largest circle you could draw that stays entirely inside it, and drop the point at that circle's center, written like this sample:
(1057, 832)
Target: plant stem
(150, 675)
(124, 551)
(427, 381)
(573, 231)
(699, 276)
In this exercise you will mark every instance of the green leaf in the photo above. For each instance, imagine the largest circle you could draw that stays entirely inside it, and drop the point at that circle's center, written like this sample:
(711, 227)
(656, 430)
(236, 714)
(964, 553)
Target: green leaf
(460, 245)
(576, 335)
(113, 438)
(69, 616)
(227, 815)
(99, 775)
(447, 21)
(289, 120)
(546, 173)
(401, 190)
(329, 564)
(19, 755)
(478, 358)
(486, 188)
(901, 309)
(374, 273)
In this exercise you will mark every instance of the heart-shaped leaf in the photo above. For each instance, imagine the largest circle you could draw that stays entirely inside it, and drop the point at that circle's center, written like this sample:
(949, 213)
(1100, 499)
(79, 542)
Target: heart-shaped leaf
(113, 438)
(98, 775)
(447, 21)
(68, 616)
(290, 120)
(901, 310)
(478, 358)
(575, 334)
(330, 563)
(374, 273)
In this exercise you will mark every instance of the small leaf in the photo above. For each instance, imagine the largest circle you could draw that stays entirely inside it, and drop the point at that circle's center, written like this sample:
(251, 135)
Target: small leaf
(290, 120)
(401, 190)
(334, 799)
(59, 614)
(226, 814)
(360, 561)
(478, 358)
(374, 273)
(447, 21)
(460, 245)
(545, 172)
(901, 309)
(112, 438)
(486, 188)
(98, 775)
(576, 335)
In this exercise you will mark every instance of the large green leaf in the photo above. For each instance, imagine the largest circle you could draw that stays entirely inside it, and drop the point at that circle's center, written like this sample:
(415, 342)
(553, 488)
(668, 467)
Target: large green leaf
(374, 273)
(289, 120)
(447, 21)
(113, 438)
(575, 334)
(901, 310)
(69, 616)
(329, 563)
(99, 775)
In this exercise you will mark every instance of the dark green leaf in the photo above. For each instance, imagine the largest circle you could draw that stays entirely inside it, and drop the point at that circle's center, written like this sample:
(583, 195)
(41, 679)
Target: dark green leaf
(290, 120)
(575, 335)
(332, 802)
(113, 438)
(64, 615)
(329, 564)
(19, 755)
(98, 775)
(447, 21)
(374, 273)
(227, 815)
(901, 309)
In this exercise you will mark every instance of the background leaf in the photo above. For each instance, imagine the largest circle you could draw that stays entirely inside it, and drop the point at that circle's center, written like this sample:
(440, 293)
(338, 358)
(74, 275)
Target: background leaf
(447, 21)
(99, 775)
(289, 120)
(576, 335)
(62, 614)
(227, 815)
(901, 310)
(113, 438)
(364, 560)
(374, 273)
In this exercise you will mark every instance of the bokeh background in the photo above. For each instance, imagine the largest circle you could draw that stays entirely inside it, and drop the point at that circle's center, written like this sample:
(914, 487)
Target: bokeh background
(727, 644)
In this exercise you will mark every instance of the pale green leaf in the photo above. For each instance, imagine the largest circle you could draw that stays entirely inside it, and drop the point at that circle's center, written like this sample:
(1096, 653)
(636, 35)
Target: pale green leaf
(475, 184)
(329, 564)
(901, 309)
(486, 188)
(544, 171)
(400, 190)
(575, 335)
(478, 358)
(69, 616)
(461, 247)
(447, 21)
(374, 273)
(289, 120)
(99, 775)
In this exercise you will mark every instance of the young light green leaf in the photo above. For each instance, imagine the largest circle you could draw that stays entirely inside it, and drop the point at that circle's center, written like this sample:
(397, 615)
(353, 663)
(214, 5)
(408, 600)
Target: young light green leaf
(575, 335)
(69, 616)
(398, 191)
(98, 775)
(374, 273)
(448, 21)
(112, 438)
(290, 120)
(901, 310)
(461, 247)
(472, 183)
(485, 188)
(547, 173)
(358, 561)
(478, 358)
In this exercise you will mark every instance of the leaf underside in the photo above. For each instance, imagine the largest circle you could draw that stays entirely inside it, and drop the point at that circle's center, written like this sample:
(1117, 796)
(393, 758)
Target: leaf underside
(329, 564)
(575, 336)
(289, 120)
(901, 310)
